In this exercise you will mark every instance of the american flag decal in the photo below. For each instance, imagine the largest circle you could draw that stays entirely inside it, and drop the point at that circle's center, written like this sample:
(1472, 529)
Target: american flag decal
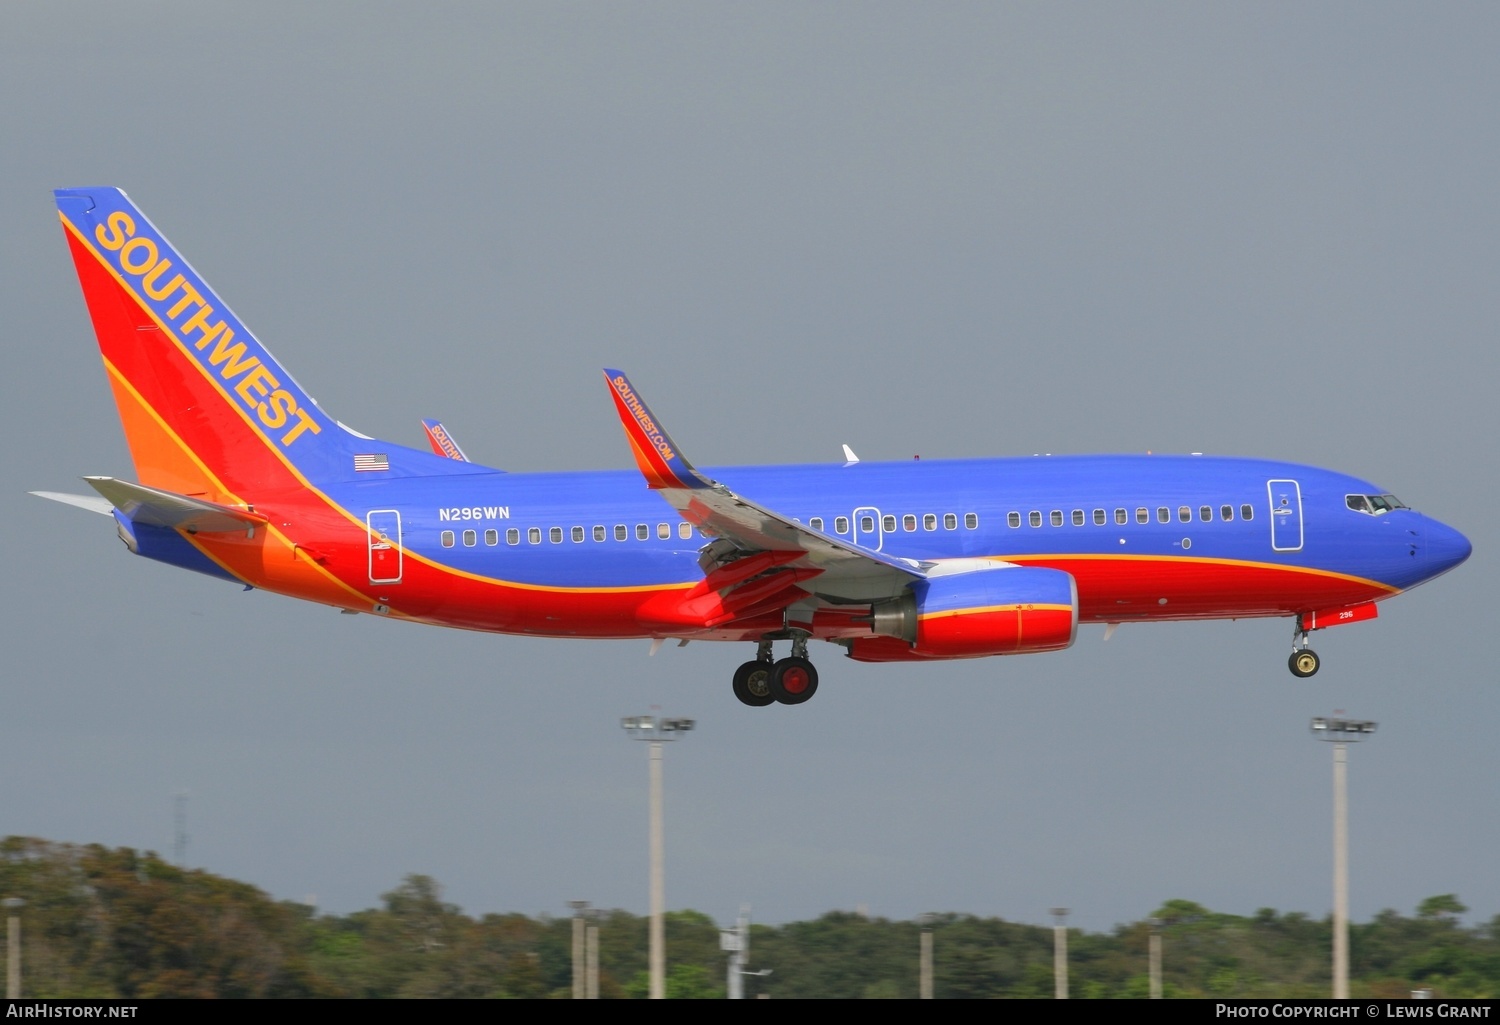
(363, 464)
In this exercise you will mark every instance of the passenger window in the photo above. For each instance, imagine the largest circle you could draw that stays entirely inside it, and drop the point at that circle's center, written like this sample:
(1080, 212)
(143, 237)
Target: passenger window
(1014, 519)
(1142, 514)
(1226, 513)
(1099, 517)
(816, 523)
(908, 522)
(512, 536)
(1247, 512)
(447, 539)
(971, 520)
(841, 524)
(867, 524)
(577, 534)
(1121, 516)
(491, 537)
(950, 521)
(685, 530)
(1034, 518)
(1057, 517)
(554, 534)
(1184, 514)
(929, 521)
(888, 524)
(622, 532)
(1163, 514)
(1077, 517)
(599, 532)
(642, 532)
(1206, 513)
(470, 539)
(664, 531)
(534, 535)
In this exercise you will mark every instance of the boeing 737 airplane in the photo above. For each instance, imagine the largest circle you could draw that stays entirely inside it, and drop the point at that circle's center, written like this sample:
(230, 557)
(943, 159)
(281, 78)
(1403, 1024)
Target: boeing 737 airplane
(239, 474)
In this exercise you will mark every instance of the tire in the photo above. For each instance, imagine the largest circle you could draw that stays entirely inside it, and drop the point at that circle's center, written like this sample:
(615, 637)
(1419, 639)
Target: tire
(793, 681)
(1304, 663)
(752, 684)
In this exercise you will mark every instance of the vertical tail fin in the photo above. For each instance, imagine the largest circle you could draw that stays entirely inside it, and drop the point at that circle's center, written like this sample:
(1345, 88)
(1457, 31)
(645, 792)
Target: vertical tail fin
(207, 410)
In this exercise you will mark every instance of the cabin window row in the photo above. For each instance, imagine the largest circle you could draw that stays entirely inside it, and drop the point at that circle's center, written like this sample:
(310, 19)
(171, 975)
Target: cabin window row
(1100, 517)
(622, 532)
(888, 523)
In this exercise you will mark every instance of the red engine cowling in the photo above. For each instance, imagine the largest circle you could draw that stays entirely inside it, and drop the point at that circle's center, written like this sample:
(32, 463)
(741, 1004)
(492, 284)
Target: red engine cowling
(1010, 610)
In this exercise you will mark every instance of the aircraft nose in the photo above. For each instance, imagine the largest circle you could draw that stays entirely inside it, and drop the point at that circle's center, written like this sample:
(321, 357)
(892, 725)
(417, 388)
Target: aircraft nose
(1446, 547)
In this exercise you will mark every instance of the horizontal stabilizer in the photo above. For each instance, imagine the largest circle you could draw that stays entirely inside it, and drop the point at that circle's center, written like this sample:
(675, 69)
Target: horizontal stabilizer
(158, 508)
(93, 503)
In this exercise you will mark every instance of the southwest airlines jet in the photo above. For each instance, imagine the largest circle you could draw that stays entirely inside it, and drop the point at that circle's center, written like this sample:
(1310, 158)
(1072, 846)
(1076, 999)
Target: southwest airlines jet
(239, 474)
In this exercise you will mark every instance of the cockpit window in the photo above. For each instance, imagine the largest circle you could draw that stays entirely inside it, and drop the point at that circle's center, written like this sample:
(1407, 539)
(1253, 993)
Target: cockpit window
(1373, 505)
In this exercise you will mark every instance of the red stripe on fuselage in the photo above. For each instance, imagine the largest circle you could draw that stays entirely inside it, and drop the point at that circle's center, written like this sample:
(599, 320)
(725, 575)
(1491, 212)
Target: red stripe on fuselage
(1112, 588)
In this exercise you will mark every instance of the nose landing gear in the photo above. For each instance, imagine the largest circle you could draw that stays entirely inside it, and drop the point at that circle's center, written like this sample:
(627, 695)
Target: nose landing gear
(1304, 661)
(789, 681)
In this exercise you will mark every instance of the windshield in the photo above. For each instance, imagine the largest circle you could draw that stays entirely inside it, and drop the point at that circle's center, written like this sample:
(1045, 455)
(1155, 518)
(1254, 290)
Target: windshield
(1373, 505)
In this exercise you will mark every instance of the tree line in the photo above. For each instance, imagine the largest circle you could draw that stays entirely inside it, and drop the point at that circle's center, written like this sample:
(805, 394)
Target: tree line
(102, 922)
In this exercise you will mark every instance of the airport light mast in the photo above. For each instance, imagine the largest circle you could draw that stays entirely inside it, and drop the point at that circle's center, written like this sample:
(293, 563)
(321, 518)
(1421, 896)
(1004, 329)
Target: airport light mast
(13, 906)
(1060, 953)
(656, 731)
(1341, 733)
(580, 909)
(924, 957)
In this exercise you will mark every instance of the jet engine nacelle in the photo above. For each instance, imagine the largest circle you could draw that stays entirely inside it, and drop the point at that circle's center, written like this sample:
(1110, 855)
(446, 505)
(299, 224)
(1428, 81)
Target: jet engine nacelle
(1008, 610)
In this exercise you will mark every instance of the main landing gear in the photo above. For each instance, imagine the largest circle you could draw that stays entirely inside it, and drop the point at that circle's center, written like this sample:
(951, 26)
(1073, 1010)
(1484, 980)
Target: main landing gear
(789, 681)
(1304, 661)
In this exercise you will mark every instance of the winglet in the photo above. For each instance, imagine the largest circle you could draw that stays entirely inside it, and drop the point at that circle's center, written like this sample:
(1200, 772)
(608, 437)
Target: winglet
(442, 441)
(655, 453)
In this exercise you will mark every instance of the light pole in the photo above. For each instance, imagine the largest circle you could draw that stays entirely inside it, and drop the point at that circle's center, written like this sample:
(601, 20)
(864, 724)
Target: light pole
(1341, 733)
(13, 948)
(736, 943)
(579, 910)
(924, 984)
(1060, 952)
(1154, 957)
(591, 980)
(656, 731)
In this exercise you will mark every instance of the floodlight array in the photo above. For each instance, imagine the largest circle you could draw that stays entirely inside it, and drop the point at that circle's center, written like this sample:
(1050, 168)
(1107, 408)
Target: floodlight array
(1341, 730)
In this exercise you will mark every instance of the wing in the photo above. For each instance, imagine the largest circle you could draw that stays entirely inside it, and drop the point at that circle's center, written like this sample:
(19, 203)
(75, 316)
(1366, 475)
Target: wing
(757, 548)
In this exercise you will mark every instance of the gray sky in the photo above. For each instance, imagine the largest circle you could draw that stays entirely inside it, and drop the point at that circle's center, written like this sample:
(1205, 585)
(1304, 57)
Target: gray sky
(952, 230)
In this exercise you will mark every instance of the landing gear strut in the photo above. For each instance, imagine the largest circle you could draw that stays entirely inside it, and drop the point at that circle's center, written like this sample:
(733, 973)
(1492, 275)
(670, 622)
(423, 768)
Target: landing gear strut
(1304, 661)
(790, 681)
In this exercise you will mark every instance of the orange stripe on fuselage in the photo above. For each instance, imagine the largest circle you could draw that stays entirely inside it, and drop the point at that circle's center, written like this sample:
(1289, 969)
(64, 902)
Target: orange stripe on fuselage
(981, 610)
